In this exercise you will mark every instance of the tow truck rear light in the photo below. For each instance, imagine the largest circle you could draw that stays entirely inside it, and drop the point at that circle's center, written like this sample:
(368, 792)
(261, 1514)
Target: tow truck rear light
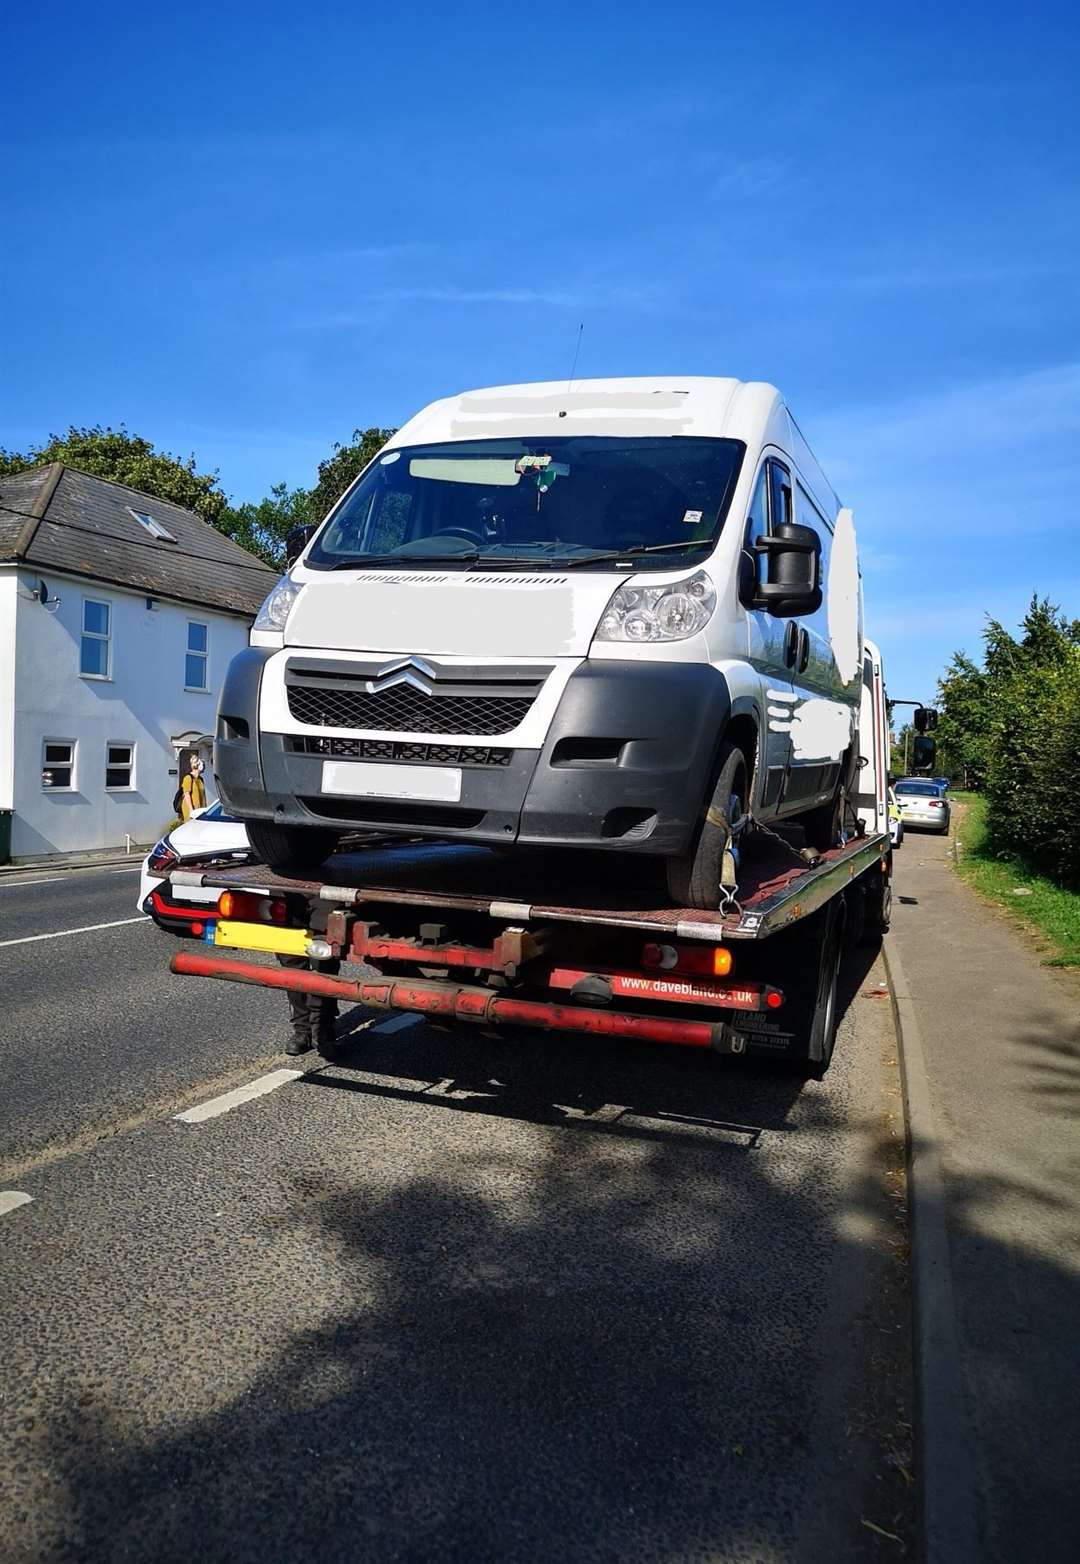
(246, 908)
(707, 960)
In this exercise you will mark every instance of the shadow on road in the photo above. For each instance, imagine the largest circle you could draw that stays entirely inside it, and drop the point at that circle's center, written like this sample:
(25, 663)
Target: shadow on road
(654, 1341)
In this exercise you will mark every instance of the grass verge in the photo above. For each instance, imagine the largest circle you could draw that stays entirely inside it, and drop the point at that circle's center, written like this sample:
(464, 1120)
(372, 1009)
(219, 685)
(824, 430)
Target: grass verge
(1047, 908)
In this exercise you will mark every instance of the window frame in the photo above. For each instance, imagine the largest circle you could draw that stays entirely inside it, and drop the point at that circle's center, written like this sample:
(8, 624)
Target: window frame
(96, 635)
(71, 767)
(190, 651)
(129, 766)
(157, 529)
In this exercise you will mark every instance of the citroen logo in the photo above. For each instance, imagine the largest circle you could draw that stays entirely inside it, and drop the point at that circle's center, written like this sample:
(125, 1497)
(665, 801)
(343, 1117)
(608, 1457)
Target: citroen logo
(406, 670)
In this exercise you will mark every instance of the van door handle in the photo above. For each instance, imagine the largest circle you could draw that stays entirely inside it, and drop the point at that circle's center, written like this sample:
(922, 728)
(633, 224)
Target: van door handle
(791, 643)
(803, 656)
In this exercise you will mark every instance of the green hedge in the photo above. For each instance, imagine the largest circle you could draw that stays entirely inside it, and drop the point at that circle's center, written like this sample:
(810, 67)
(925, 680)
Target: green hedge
(1015, 726)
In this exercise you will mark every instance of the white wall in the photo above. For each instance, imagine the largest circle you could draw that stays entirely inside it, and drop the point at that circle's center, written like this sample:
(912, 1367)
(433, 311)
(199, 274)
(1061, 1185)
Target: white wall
(143, 702)
(8, 586)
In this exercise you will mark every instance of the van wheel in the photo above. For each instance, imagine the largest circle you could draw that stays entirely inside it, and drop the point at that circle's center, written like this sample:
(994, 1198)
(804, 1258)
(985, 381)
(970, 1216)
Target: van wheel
(693, 879)
(290, 849)
(822, 826)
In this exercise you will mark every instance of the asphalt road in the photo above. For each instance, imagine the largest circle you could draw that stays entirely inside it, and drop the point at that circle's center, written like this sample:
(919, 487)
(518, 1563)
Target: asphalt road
(452, 1297)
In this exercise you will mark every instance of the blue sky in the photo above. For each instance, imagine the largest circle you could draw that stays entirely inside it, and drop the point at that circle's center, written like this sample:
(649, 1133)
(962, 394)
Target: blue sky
(245, 230)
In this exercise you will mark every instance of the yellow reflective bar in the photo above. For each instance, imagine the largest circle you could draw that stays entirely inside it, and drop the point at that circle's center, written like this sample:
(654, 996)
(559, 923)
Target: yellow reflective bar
(262, 936)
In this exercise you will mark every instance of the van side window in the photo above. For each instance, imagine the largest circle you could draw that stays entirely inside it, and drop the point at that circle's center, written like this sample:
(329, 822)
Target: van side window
(780, 506)
(757, 517)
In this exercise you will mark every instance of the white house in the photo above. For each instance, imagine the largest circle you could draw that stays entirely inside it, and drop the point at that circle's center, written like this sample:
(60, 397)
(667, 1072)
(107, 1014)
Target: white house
(118, 616)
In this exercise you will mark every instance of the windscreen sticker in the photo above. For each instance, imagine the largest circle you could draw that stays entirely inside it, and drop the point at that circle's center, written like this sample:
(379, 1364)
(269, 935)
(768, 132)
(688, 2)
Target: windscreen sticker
(692, 517)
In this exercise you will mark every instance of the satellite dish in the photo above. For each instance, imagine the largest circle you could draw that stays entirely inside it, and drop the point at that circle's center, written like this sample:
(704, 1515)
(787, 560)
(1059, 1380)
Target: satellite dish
(44, 599)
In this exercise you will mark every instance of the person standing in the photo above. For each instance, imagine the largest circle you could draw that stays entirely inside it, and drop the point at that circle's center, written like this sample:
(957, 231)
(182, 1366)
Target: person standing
(192, 790)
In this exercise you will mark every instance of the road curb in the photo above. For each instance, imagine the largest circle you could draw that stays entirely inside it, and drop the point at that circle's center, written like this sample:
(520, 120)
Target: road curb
(948, 1503)
(15, 871)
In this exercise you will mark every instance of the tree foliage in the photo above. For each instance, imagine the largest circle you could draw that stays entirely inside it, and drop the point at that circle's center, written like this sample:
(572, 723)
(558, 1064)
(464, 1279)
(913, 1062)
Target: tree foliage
(129, 459)
(339, 469)
(263, 528)
(1013, 728)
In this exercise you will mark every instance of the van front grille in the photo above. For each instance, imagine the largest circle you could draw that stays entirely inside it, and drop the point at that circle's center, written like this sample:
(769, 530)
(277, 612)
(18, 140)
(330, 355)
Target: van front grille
(324, 698)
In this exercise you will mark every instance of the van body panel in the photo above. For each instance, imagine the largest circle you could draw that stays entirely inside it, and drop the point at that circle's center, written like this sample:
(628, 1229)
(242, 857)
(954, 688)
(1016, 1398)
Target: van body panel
(448, 613)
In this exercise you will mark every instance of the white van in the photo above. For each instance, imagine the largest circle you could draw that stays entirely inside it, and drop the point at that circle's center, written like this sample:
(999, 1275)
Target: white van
(623, 616)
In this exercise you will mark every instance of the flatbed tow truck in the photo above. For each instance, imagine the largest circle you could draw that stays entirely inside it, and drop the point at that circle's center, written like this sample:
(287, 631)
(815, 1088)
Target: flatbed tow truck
(466, 936)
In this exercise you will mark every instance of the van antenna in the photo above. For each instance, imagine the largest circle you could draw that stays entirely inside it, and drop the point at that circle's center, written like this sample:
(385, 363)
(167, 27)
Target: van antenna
(577, 350)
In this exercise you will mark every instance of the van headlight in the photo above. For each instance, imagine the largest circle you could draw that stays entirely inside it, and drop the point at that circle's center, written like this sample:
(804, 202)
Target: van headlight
(278, 605)
(662, 613)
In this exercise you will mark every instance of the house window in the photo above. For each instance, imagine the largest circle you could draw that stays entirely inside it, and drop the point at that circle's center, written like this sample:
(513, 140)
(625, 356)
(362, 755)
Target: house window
(119, 766)
(95, 652)
(58, 765)
(155, 529)
(198, 645)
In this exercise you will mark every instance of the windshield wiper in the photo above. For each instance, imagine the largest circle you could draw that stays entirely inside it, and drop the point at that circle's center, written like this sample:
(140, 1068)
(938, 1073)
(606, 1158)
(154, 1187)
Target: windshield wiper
(366, 561)
(632, 552)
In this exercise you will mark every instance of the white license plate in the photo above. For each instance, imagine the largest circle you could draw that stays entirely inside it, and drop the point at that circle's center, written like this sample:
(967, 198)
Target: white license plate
(370, 779)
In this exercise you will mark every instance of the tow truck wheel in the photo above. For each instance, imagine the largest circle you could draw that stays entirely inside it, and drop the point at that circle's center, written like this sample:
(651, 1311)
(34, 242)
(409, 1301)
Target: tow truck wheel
(290, 849)
(693, 879)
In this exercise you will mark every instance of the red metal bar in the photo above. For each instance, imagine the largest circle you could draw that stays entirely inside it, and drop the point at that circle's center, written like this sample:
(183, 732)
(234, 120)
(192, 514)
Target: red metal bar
(671, 988)
(447, 999)
(377, 947)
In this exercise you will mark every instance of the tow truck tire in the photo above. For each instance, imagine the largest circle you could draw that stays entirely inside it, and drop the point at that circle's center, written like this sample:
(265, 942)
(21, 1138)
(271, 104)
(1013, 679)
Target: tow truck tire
(290, 849)
(823, 1030)
(877, 907)
(693, 879)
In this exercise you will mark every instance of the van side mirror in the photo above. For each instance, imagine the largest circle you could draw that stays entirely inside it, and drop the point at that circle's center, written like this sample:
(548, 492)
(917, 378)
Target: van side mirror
(792, 582)
(296, 541)
(923, 752)
(925, 719)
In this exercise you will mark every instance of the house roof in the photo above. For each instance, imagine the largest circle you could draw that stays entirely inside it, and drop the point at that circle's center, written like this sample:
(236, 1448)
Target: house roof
(56, 518)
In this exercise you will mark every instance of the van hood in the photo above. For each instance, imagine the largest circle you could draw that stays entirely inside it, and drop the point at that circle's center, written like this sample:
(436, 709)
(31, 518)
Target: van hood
(453, 613)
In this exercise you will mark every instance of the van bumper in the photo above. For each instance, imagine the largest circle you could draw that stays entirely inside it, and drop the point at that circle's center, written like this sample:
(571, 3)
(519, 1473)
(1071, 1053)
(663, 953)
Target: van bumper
(626, 765)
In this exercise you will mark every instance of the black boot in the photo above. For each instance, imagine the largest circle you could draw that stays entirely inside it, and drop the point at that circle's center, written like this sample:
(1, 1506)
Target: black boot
(299, 1042)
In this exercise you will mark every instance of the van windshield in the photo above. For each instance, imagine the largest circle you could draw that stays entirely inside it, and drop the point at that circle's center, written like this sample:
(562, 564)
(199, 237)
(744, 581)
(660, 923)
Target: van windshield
(497, 503)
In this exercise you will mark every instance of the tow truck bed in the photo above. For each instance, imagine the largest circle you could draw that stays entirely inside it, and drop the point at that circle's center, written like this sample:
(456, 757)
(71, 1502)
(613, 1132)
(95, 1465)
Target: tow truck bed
(775, 888)
(463, 935)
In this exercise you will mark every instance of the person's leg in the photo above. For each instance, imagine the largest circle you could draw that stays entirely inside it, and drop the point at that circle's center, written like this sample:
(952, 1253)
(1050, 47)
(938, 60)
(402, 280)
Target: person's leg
(323, 1010)
(300, 1013)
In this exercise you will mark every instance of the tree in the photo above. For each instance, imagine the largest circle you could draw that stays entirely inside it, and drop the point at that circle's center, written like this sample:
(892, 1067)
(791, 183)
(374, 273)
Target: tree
(263, 528)
(128, 459)
(339, 470)
(966, 710)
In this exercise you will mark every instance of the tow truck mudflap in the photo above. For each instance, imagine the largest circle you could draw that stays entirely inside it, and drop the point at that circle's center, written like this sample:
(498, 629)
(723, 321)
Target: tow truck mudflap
(456, 1002)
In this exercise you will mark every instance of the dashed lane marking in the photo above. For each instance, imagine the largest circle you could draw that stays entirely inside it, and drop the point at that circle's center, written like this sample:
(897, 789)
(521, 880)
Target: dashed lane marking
(219, 1105)
(88, 928)
(12, 1199)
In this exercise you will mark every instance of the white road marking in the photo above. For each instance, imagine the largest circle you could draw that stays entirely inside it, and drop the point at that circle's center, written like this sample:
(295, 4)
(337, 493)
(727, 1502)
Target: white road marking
(18, 884)
(12, 1199)
(88, 928)
(219, 1105)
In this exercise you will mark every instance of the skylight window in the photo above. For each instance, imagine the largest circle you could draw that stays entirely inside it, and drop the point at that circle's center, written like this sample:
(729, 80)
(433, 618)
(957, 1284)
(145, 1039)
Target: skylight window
(155, 529)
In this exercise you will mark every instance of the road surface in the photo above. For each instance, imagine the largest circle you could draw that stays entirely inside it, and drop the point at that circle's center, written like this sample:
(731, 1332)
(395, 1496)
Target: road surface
(449, 1298)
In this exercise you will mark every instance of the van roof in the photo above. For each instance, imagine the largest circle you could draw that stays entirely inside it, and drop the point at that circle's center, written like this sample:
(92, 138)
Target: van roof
(634, 405)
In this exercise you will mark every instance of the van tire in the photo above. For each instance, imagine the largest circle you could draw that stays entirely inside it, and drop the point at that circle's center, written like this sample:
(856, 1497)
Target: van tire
(822, 826)
(292, 850)
(693, 878)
